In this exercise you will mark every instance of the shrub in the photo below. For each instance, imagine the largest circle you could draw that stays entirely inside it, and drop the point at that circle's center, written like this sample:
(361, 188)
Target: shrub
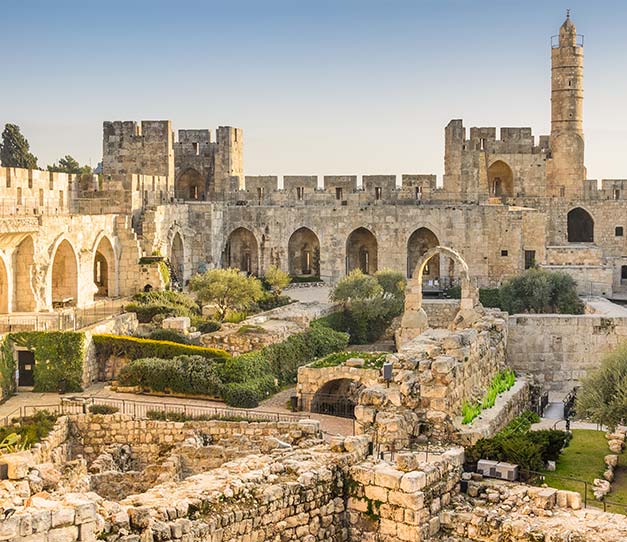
(30, 429)
(271, 301)
(136, 348)
(184, 374)
(208, 326)
(305, 278)
(516, 444)
(148, 305)
(602, 397)
(540, 291)
(372, 360)
(170, 416)
(392, 282)
(168, 335)
(250, 393)
(355, 285)
(103, 409)
(277, 279)
(235, 317)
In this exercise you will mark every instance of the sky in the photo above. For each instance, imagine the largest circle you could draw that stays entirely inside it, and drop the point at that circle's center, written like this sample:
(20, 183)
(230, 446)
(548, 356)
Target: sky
(319, 87)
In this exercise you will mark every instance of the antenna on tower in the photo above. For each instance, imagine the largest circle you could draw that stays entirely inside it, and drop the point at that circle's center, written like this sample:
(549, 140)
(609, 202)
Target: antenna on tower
(568, 13)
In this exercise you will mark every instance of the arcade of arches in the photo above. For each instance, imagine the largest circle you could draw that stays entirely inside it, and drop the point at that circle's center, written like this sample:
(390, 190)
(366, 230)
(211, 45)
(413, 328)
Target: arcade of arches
(190, 185)
(361, 251)
(242, 252)
(580, 226)
(64, 278)
(501, 179)
(4, 288)
(304, 253)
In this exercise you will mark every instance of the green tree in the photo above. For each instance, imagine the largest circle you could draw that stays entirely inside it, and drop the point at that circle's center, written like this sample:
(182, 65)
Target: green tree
(392, 282)
(540, 291)
(277, 279)
(227, 289)
(356, 285)
(68, 164)
(602, 397)
(15, 150)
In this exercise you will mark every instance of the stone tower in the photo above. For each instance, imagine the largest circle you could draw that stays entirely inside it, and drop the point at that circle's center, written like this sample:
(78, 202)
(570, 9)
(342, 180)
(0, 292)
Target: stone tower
(565, 171)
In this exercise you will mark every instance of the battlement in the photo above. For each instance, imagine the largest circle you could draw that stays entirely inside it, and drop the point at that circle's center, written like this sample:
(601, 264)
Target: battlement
(333, 190)
(606, 189)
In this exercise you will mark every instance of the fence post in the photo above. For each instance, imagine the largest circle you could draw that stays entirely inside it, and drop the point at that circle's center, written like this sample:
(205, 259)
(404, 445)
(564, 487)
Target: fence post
(585, 495)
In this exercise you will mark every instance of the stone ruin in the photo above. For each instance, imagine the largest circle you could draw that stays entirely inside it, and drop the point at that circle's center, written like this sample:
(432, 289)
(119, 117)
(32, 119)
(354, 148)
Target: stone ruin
(267, 481)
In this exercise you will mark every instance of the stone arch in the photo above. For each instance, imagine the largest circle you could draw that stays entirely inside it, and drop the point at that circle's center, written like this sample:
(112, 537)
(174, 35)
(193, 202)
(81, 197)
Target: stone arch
(5, 290)
(190, 185)
(337, 397)
(303, 250)
(242, 251)
(177, 258)
(64, 274)
(501, 179)
(23, 293)
(362, 251)
(419, 242)
(104, 267)
(580, 226)
(414, 320)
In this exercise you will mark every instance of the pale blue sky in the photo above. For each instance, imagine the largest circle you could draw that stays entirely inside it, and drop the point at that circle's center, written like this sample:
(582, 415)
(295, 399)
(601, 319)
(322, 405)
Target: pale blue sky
(325, 86)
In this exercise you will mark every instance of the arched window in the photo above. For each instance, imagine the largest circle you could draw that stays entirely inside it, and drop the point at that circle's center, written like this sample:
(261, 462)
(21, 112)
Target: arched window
(580, 226)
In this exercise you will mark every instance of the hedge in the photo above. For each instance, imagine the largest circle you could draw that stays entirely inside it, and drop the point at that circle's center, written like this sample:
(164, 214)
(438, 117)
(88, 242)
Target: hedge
(147, 305)
(58, 356)
(184, 374)
(136, 348)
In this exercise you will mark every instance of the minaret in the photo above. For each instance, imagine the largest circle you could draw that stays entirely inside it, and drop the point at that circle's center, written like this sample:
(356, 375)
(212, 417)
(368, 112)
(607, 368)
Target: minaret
(566, 172)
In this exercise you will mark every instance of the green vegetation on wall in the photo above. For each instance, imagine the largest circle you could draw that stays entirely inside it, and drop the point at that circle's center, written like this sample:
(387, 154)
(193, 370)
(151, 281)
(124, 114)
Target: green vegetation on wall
(136, 348)
(59, 356)
(502, 382)
(7, 368)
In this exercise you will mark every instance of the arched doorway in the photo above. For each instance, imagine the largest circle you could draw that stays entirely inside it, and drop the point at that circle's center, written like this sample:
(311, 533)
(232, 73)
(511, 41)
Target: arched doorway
(177, 259)
(361, 251)
(241, 251)
(418, 244)
(64, 277)
(190, 185)
(4, 288)
(580, 226)
(501, 179)
(337, 398)
(304, 253)
(104, 268)
(23, 295)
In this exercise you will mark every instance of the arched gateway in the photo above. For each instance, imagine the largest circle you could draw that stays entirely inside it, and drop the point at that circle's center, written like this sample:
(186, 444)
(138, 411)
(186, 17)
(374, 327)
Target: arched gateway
(414, 320)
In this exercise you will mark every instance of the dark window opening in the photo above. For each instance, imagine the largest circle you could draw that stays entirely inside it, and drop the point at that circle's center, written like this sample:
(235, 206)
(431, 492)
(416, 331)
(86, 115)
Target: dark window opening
(618, 231)
(377, 192)
(504, 253)
(530, 259)
(300, 192)
(623, 272)
(580, 226)
(260, 194)
(338, 193)
(616, 193)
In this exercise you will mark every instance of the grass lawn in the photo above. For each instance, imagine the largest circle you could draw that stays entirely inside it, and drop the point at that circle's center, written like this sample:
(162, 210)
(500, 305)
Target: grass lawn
(583, 459)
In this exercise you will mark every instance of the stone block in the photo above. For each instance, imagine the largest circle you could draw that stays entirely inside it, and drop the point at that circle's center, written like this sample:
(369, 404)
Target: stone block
(413, 481)
(388, 477)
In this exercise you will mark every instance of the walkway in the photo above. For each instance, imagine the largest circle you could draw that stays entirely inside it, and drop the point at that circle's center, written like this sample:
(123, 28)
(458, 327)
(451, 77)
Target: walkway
(330, 425)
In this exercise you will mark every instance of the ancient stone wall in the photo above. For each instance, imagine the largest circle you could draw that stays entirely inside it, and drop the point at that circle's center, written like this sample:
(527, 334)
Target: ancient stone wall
(150, 439)
(558, 350)
(440, 312)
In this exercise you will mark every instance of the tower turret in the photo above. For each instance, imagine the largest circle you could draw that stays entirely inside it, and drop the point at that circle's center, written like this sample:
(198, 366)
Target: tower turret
(566, 171)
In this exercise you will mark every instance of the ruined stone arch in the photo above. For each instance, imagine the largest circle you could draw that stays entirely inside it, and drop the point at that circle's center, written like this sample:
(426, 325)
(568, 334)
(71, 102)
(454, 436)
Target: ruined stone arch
(5, 286)
(303, 250)
(362, 251)
(63, 275)
(580, 225)
(190, 185)
(500, 179)
(104, 267)
(414, 320)
(242, 251)
(337, 397)
(418, 243)
(23, 293)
